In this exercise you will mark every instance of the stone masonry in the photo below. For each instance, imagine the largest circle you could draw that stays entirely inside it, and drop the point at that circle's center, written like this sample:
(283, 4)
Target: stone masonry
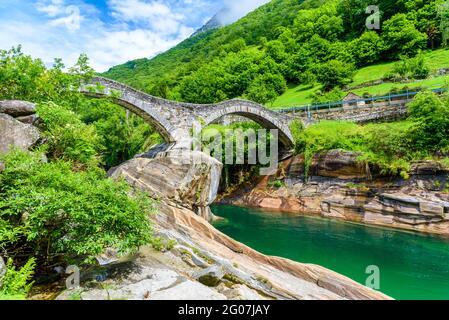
(175, 120)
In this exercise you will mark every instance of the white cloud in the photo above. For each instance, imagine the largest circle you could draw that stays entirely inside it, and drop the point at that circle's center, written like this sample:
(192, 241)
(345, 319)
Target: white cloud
(61, 14)
(130, 10)
(115, 47)
(130, 29)
(237, 9)
(50, 7)
(72, 21)
(106, 44)
(158, 16)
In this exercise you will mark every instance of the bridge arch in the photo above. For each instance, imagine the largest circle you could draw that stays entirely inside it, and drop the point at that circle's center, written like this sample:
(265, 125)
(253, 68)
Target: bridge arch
(255, 112)
(175, 120)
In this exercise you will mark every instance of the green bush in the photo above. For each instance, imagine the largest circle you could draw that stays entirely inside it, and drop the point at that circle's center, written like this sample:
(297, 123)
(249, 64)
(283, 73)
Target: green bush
(402, 37)
(335, 73)
(16, 283)
(409, 68)
(335, 94)
(53, 213)
(68, 138)
(430, 114)
(25, 78)
(122, 134)
(389, 147)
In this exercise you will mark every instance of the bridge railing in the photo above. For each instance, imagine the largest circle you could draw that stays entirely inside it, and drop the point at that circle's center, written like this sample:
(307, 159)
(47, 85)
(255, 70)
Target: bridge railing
(358, 103)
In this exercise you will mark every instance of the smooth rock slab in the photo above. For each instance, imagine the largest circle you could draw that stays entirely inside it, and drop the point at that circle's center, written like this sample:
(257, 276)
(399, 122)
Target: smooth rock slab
(16, 134)
(187, 178)
(17, 108)
(187, 290)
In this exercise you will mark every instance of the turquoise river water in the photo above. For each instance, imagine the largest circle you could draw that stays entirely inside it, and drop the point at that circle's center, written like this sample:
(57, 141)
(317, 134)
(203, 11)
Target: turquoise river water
(412, 265)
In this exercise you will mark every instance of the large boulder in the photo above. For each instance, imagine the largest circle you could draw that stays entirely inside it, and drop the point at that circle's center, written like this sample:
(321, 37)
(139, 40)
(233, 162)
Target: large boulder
(427, 167)
(14, 133)
(185, 178)
(16, 108)
(334, 163)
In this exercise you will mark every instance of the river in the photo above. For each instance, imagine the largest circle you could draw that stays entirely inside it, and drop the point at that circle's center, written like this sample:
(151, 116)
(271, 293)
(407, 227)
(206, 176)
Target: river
(411, 265)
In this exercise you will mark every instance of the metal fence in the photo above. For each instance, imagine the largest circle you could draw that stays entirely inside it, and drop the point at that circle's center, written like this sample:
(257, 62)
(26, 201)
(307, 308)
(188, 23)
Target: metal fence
(363, 102)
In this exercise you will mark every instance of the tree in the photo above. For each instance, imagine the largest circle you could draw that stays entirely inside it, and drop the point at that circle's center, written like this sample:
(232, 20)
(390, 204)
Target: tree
(430, 114)
(367, 49)
(276, 50)
(402, 37)
(68, 137)
(22, 77)
(334, 73)
(425, 16)
(61, 216)
(443, 15)
(410, 68)
(266, 88)
(323, 22)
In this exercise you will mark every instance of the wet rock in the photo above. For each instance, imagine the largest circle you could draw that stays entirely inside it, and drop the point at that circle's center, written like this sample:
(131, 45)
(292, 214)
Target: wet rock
(240, 292)
(188, 290)
(108, 257)
(17, 108)
(16, 134)
(211, 276)
(426, 168)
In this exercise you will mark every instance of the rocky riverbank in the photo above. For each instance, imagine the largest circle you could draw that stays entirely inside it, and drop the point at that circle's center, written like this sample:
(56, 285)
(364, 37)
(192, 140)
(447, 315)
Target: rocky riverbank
(198, 261)
(339, 186)
(190, 258)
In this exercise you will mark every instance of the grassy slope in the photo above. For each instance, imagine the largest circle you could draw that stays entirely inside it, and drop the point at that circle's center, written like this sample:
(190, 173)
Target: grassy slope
(300, 95)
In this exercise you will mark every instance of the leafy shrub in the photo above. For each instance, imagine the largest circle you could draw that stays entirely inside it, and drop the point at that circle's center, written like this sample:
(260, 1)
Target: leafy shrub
(335, 94)
(430, 114)
(409, 68)
(389, 147)
(123, 135)
(266, 88)
(53, 213)
(334, 73)
(68, 137)
(367, 49)
(16, 283)
(25, 78)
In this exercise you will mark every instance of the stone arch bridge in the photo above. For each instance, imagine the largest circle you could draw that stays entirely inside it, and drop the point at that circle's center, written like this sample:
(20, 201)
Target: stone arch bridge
(175, 120)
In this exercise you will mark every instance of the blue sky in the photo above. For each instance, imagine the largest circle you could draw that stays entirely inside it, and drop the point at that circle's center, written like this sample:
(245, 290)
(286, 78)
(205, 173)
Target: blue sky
(111, 32)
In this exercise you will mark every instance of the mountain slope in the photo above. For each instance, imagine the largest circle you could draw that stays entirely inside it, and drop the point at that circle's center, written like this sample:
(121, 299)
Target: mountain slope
(144, 73)
(287, 43)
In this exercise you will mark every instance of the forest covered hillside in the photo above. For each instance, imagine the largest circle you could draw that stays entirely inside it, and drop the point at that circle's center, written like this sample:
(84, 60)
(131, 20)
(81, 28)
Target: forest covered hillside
(303, 51)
